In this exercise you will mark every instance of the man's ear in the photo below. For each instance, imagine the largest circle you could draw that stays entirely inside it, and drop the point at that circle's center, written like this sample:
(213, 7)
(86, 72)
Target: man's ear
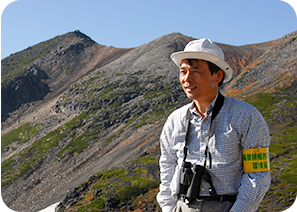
(220, 75)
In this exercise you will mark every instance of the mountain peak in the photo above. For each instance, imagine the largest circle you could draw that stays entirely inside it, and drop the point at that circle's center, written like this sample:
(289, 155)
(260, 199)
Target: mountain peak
(76, 34)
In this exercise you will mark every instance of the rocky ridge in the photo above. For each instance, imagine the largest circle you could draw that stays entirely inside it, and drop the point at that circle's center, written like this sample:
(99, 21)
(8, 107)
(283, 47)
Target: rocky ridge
(39, 73)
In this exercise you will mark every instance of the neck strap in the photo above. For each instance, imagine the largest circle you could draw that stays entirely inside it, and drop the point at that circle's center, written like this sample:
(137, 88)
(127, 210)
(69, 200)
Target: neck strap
(216, 109)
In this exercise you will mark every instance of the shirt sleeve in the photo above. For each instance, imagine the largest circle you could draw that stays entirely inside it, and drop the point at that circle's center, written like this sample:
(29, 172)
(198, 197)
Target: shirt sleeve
(255, 134)
(168, 164)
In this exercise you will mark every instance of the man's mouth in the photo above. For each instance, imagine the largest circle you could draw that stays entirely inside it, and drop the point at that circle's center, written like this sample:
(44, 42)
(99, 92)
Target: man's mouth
(190, 88)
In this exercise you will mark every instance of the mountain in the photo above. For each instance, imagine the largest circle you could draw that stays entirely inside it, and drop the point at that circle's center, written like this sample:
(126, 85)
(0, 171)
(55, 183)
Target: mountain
(42, 72)
(81, 121)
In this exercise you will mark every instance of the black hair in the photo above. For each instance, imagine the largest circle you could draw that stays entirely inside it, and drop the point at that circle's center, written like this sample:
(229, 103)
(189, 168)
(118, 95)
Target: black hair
(215, 69)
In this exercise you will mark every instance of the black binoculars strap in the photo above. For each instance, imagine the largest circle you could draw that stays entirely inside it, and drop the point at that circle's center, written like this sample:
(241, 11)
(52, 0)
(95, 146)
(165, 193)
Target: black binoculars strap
(216, 109)
(188, 118)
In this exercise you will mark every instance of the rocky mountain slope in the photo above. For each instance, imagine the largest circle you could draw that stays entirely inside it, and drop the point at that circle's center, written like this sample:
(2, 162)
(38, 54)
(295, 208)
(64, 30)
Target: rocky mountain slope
(75, 112)
(39, 73)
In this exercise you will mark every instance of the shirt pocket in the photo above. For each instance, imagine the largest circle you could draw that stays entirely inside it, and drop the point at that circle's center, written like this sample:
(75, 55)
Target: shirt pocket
(225, 146)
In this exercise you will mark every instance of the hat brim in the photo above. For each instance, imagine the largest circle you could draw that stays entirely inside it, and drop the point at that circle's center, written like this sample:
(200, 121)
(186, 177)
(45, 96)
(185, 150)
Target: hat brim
(179, 56)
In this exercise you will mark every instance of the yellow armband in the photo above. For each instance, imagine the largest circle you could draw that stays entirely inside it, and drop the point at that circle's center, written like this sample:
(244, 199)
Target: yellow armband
(256, 160)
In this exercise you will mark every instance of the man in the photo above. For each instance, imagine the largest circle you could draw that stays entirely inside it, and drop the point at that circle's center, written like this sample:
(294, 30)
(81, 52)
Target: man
(226, 138)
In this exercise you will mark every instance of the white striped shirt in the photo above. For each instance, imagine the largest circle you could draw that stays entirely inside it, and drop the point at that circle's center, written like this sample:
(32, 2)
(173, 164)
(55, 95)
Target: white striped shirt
(238, 126)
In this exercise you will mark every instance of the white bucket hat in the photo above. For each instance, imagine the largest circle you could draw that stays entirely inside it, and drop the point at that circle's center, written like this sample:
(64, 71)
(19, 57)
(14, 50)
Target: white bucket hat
(204, 49)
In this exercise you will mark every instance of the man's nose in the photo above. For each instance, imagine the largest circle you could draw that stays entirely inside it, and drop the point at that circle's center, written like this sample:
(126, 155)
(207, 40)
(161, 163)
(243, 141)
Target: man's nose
(187, 76)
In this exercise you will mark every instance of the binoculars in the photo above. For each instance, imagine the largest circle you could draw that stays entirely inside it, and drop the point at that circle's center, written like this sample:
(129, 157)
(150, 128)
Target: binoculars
(190, 181)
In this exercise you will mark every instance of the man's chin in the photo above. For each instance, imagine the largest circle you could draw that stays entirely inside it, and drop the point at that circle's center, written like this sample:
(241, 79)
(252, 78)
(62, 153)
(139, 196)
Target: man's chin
(190, 96)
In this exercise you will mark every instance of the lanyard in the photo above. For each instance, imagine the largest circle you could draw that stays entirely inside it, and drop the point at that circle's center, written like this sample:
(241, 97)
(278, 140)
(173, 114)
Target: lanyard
(216, 109)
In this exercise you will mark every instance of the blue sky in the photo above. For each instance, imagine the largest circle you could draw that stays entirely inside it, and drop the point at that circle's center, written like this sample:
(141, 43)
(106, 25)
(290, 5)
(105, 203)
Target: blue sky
(131, 23)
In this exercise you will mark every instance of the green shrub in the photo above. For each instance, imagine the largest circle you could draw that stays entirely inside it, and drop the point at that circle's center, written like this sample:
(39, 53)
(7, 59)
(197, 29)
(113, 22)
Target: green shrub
(147, 160)
(30, 156)
(120, 173)
(22, 135)
(290, 173)
(97, 203)
(130, 192)
(110, 138)
(77, 121)
(265, 103)
(76, 145)
(7, 164)
(81, 209)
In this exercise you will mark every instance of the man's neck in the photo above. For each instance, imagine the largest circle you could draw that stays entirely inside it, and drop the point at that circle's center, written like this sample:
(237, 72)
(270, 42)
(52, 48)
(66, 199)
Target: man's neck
(202, 105)
(201, 108)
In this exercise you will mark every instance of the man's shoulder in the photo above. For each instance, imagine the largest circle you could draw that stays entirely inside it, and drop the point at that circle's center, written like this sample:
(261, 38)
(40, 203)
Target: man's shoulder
(238, 103)
(180, 112)
(240, 106)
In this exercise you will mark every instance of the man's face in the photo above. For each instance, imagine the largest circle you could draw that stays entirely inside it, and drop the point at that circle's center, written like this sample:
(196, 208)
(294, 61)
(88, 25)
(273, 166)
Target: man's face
(197, 81)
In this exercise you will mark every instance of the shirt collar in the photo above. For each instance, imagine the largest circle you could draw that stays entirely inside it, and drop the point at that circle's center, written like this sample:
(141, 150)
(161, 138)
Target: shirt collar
(208, 110)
